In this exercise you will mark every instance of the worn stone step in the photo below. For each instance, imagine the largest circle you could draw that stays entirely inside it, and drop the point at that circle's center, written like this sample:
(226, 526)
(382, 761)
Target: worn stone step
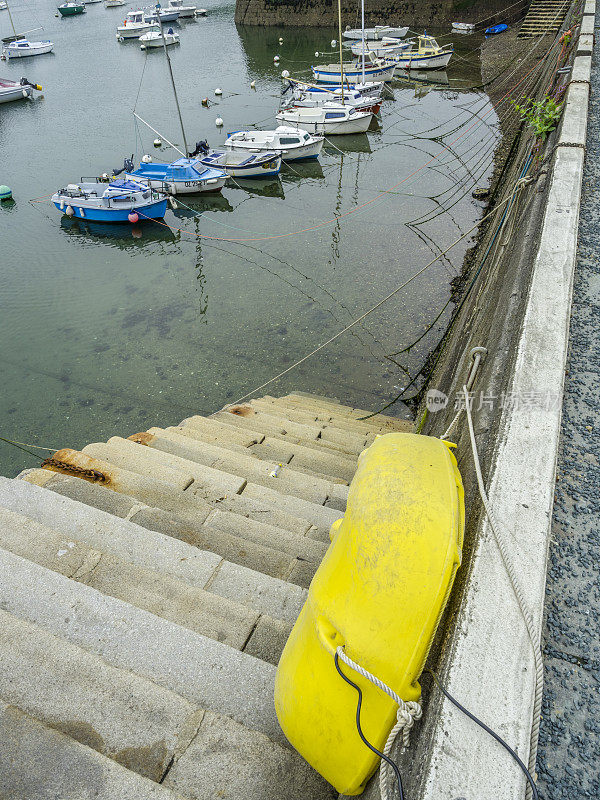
(199, 427)
(40, 763)
(379, 423)
(123, 716)
(321, 517)
(227, 761)
(215, 431)
(63, 509)
(282, 478)
(300, 457)
(231, 456)
(224, 620)
(205, 672)
(125, 454)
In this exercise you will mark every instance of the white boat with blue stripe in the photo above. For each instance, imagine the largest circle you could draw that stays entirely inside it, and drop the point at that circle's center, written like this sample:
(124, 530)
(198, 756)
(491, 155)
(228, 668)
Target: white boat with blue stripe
(374, 69)
(292, 144)
(184, 176)
(98, 200)
(22, 48)
(238, 164)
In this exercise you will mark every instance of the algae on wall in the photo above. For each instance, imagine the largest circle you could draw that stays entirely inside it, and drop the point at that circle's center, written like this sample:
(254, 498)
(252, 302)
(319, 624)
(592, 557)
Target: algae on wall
(314, 13)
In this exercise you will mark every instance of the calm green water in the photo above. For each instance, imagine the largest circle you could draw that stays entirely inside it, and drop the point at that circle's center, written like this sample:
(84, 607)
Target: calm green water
(108, 330)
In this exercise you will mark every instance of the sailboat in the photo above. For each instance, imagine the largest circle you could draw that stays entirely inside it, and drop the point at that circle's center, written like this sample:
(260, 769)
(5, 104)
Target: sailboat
(17, 46)
(186, 175)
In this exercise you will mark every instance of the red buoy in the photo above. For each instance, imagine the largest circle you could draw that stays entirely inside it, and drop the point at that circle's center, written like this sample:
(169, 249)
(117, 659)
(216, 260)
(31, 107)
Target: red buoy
(133, 217)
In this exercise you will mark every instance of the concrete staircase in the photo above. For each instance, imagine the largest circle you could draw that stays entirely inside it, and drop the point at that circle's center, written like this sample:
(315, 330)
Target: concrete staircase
(545, 17)
(147, 588)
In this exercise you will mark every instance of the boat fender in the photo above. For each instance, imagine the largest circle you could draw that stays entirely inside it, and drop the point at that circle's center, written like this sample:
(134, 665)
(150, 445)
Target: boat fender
(69, 211)
(133, 217)
(280, 40)
(157, 143)
(24, 93)
(333, 42)
(82, 212)
(276, 59)
(173, 203)
(253, 85)
(379, 593)
(62, 204)
(317, 54)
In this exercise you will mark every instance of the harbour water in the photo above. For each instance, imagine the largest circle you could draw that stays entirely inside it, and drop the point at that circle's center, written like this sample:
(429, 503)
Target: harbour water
(107, 330)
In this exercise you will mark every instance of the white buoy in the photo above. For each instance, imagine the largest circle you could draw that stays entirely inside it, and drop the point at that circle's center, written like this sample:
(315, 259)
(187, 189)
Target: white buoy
(276, 59)
(219, 122)
(24, 92)
(104, 176)
(317, 54)
(146, 159)
(285, 74)
(157, 143)
(333, 42)
(280, 40)
(253, 85)
(218, 92)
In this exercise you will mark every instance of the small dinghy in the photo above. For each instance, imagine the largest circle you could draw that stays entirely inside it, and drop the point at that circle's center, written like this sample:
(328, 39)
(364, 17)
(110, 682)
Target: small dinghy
(119, 200)
(426, 55)
(376, 33)
(157, 39)
(16, 90)
(329, 119)
(185, 11)
(238, 164)
(134, 26)
(377, 69)
(386, 47)
(496, 29)
(70, 9)
(463, 27)
(22, 48)
(184, 176)
(293, 144)
(165, 14)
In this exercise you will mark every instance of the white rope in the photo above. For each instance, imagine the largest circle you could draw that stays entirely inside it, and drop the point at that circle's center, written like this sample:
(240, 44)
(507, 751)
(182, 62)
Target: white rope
(406, 715)
(516, 586)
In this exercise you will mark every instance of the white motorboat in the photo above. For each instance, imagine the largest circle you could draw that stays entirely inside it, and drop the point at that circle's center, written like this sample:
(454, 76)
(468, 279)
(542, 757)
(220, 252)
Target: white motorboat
(114, 3)
(293, 144)
(166, 15)
(157, 39)
(240, 164)
(382, 49)
(16, 90)
(185, 10)
(134, 26)
(329, 119)
(377, 69)
(22, 48)
(184, 176)
(463, 27)
(316, 98)
(3, 5)
(427, 54)
(376, 33)
(372, 89)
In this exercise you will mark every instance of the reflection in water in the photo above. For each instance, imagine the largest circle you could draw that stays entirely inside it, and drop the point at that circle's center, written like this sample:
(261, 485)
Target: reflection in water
(198, 204)
(355, 143)
(121, 236)
(262, 187)
(433, 77)
(301, 170)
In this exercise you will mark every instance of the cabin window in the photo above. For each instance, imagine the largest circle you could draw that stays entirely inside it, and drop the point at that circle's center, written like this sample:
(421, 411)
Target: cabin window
(334, 115)
(289, 140)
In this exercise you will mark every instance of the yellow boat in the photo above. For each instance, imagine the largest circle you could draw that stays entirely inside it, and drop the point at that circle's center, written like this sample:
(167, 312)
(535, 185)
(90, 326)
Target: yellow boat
(379, 593)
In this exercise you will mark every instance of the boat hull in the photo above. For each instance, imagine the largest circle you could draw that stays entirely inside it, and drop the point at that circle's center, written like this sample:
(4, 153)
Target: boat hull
(135, 31)
(375, 34)
(8, 95)
(169, 38)
(347, 126)
(302, 153)
(438, 61)
(266, 168)
(24, 52)
(152, 211)
(70, 12)
(354, 74)
(182, 187)
(165, 16)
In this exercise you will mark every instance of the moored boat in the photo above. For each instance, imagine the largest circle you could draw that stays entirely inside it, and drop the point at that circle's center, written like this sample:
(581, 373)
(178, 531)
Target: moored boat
(114, 3)
(373, 89)
(119, 200)
(22, 48)
(382, 49)
(158, 39)
(373, 34)
(166, 15)
(16, 90)
(185, 10)
(329, 119)
(184, 176)
(373, 69)
(494, 29)
(427, 54)
(315, 98)
(463, 27)
(70, 9)
(134, 26)
(239, 164)
(293, 144)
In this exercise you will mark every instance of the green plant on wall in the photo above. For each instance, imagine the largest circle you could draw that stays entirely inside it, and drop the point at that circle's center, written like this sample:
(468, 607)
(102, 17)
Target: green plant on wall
(542, 115)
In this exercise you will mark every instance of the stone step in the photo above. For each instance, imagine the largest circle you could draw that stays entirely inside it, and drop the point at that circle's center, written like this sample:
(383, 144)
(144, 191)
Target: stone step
(231, 456)
(206, 673)
(192, 506)
(123, 716)
(144, 546)
(300, 457)
(201, 611)
(40, 763)
(380, 423)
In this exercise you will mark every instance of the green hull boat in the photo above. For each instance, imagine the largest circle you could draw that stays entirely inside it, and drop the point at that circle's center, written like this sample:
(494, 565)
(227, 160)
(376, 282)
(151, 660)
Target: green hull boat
(68, 9)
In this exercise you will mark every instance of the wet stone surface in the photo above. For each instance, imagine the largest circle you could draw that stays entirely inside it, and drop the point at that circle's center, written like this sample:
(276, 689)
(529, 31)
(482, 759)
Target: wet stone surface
(569, 748)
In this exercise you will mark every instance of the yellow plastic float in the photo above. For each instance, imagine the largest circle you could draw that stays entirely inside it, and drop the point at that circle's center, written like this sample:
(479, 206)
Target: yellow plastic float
(380, 593)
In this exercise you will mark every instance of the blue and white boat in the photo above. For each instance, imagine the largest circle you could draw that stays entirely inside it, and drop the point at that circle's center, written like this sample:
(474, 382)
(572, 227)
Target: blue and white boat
(22, 48)
(119, 200)
(184, 176)
(238, 164)
(374, 69)
(494, 29)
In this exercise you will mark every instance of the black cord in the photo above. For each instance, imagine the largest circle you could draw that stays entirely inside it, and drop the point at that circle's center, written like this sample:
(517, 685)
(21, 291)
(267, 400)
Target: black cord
(492, 733)
(392, 764)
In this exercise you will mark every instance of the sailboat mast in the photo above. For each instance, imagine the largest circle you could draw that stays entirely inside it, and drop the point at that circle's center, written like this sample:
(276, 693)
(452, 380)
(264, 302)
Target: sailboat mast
(362, 13)
(11, 20)
(340, 41)
(162, 33)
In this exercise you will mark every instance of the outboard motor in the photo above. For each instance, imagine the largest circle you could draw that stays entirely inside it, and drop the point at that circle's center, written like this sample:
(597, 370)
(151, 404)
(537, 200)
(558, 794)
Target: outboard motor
(202, 148)
(25, 82)
(127, 166)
